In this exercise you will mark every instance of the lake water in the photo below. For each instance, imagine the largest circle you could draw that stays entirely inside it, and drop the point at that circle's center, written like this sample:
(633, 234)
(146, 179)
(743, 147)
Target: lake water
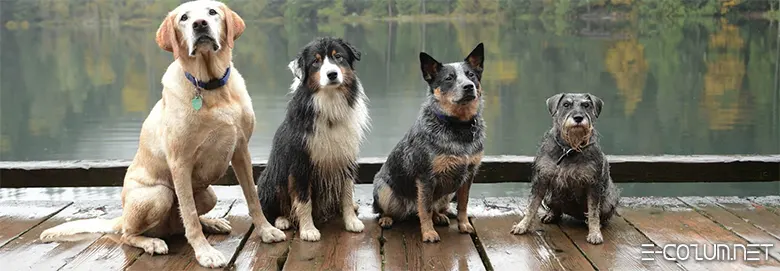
(697, 87)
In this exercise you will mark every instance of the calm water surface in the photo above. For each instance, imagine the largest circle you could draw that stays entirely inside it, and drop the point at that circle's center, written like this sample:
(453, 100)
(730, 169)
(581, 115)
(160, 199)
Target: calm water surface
(702, 87)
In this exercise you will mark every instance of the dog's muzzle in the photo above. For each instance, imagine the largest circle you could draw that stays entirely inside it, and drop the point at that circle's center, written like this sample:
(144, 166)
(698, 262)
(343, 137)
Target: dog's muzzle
(576, 120)
(203, 36)
(469, 94)
(333, 77)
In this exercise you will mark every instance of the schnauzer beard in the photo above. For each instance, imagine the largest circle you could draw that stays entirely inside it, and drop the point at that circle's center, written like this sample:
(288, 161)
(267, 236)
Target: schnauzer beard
(577, 136)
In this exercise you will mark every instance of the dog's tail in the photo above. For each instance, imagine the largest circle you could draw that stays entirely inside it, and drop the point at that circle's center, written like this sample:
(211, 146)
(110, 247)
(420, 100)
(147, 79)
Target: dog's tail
(67, 231)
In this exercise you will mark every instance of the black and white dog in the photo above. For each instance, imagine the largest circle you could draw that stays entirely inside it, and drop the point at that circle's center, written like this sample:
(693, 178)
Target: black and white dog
(313, 161)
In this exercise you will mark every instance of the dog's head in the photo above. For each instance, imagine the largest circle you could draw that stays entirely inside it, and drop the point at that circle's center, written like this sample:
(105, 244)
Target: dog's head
(573, 114)
(325, 62)
(456, 86)
(202, 26)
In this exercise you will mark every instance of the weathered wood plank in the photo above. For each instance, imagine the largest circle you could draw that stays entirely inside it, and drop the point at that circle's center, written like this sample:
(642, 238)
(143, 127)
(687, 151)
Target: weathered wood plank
(106, 253)
(506, 250)
(180, 253)
(28, 252)
(404, 250)
(17, 217)
(254, 254)
(772, 203)
(733, 223)
(394, 255)
(669, 221)
(621, 249)
(455, 251)
(532, 251)
(751, 212)
(338, 249)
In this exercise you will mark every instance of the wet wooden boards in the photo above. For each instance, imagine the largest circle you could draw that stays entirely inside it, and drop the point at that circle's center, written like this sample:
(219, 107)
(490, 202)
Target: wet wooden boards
(28, 252)
(656, 221)
(544, 247)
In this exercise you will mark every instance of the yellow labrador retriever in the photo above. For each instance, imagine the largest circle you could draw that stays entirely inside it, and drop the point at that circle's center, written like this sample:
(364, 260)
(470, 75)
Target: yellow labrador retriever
(202, 123)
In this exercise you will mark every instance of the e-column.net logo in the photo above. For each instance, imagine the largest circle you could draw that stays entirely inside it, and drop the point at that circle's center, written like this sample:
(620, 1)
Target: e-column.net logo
(707, 252)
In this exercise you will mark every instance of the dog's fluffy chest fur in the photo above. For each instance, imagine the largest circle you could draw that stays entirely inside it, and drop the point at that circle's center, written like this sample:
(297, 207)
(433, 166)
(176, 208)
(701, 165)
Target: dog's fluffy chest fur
(563, 177)
(338, 129)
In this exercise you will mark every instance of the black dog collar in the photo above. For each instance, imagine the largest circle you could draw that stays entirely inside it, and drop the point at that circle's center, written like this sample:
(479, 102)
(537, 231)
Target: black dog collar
(567, 151)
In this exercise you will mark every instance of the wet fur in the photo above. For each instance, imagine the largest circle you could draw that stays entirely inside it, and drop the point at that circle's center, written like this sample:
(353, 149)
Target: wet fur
(439, 156)
(582, 175)
(313, 161)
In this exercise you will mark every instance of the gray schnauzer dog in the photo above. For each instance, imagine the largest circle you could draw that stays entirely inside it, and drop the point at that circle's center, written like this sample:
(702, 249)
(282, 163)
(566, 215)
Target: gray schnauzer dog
(570, 172)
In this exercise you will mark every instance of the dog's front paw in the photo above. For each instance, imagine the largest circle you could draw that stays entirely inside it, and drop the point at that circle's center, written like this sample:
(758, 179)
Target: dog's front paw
(386, 222)
(430, 236)
(215, 225)
(520, 228)
(465, 227)
(595, 238)
(282, 223)
(441, 219)
(210, 257)
(311, 235)
(270, 234)
(154, 246)
(353, 224)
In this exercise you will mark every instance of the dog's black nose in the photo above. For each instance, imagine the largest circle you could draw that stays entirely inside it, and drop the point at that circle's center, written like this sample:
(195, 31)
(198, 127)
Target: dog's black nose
(332, 75)
(468, 93)
(578, 119)
(200, 25)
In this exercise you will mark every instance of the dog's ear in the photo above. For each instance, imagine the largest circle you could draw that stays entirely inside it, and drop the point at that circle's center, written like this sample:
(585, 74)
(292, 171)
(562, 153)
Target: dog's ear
(296, 67)
(234, 25)
(429, 66)
(552, 102)
(476, 58)
(167, 38)
(354, 53)
(597, 104)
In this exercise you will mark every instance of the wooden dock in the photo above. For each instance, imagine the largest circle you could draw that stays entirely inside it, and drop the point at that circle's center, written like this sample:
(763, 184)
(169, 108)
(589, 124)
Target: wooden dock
(24, 213)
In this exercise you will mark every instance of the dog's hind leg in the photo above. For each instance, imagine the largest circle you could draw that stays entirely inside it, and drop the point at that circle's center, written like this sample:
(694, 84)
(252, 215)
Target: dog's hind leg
(385, 204)
(530, 215)
(146, 209)
(205, 201)
(282, 223)
(553, 213)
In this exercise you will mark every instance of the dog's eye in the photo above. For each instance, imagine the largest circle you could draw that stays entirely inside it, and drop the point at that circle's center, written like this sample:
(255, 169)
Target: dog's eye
(184, 17)
(585, 105)
(212, 12)
(337, 56)
(469, 74)
(566, 104)
(448, 78)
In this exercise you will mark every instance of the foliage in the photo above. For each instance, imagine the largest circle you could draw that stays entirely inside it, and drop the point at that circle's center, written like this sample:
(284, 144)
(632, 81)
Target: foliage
(330, 10)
